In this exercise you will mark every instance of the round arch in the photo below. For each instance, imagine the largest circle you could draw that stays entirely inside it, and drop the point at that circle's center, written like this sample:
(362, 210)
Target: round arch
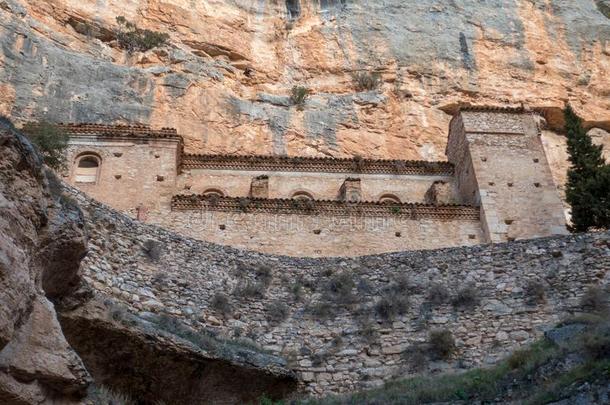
(209, 192)
(87, 166)
(302, 195)
(388, 198)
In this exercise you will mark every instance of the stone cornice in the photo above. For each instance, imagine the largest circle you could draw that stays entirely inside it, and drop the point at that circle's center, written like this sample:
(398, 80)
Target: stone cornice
(316, 164)
(119, 131)
(324, 208)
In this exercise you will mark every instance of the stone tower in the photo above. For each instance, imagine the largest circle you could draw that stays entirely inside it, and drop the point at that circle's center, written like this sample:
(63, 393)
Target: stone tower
(500, 164)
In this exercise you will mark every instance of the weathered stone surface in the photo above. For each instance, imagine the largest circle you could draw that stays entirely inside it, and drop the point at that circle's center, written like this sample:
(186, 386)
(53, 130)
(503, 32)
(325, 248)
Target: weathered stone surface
(41, 246)
(131, 354)
(226, 75)
(355, 345)
(39, 352)
(564, 334)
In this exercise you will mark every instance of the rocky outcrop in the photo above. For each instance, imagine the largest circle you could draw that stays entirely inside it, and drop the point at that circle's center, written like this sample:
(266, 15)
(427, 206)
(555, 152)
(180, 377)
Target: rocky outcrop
(41, 246)
(43, 237)
(155, 361)
(225, 77)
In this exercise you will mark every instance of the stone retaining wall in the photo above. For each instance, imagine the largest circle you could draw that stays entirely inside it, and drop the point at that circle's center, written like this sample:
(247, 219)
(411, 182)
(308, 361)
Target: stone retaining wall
(154, 270)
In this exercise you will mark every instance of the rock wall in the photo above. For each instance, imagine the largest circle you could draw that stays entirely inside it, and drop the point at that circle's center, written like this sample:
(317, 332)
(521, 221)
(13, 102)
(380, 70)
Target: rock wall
(346, 323)
(55, 331)
(225, 77)
(41, 244)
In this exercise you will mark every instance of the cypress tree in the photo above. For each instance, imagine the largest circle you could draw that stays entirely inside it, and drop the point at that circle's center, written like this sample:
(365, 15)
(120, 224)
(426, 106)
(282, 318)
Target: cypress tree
(588, 187)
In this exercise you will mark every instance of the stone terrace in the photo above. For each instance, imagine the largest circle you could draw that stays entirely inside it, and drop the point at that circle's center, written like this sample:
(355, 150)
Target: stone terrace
(154, 270)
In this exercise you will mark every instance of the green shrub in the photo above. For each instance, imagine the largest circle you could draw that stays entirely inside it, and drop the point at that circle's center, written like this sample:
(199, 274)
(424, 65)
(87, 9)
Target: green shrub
(442, 343)
(221, 304)
(594, 300)
(367, 80)
(134, 39)
(299, 95)
(277, 311)
(50, 141)
(466, 298)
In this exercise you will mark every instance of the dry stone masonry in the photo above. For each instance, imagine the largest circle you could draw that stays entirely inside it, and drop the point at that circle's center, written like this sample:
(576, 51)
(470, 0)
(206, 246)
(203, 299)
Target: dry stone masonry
(327, 315)
(320, 207)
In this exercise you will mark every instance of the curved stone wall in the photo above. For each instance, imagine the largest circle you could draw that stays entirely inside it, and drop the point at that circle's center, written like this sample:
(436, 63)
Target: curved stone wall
(326, 316)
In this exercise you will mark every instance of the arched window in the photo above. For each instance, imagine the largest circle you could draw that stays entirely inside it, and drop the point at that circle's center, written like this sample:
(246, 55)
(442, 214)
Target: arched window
(213, 192)
(389, 199)
(87, 169)
(302, 195)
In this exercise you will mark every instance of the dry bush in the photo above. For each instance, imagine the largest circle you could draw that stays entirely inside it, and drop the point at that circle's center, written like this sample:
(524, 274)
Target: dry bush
(392, 304)
(132, 39)
(221, 304)
(594, 300)
(250, 289)
(438, 294)
(367, 80)
(277, 311)
(153, 250)
(442, 343)
(534, 292)
(466, 298)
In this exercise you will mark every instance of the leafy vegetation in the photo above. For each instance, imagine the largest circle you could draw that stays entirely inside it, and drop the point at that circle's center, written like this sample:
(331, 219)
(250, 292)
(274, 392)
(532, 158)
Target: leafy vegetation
(134, 39)
(588, 186)
(50, 141)
(299, 95)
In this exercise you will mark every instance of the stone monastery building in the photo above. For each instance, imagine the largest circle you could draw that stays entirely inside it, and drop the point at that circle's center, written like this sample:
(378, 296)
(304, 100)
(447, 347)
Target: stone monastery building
(496, 186)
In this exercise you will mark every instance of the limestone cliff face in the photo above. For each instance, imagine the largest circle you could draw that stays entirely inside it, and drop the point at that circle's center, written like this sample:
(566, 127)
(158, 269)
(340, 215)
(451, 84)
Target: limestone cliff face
(224, 78)
(41, 244)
